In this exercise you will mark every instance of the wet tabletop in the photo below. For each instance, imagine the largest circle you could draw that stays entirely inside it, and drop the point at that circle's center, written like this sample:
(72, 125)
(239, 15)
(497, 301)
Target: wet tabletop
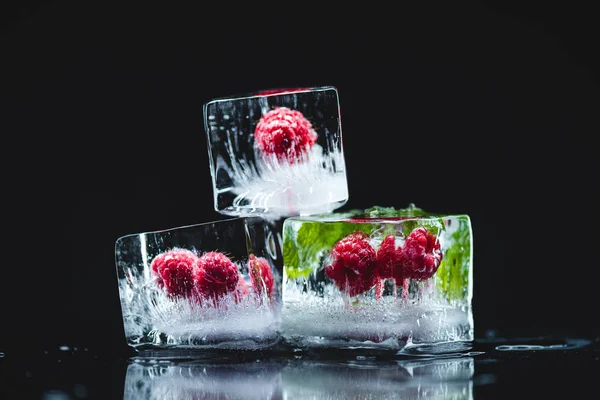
(544, 367)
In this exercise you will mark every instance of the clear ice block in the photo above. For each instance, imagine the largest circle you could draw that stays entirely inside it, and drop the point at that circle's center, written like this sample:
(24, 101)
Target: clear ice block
(277, 153)
(202, 286)
(380, 278)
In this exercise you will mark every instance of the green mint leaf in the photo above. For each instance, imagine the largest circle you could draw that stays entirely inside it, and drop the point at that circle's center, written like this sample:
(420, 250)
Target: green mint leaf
(303, 248)
(452, 276)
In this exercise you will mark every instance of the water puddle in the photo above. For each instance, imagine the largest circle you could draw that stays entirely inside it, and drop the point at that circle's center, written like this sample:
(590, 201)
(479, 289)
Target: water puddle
(567, 344)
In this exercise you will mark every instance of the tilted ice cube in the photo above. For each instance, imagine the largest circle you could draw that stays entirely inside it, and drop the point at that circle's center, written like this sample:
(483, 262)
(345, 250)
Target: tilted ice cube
(210, 285)
(277, 153)
(377, 278)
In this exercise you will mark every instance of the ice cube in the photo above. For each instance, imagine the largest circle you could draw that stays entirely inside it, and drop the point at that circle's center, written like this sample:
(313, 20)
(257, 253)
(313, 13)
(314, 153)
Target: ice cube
(209, 285)
(377, 278)
(276, 153)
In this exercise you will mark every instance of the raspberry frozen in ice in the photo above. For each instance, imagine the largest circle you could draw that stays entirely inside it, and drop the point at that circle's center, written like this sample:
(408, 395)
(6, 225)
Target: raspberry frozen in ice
(242, 290)
(284, 133)
(421, 255)
(216, 275)
(261, 276)
(389, 259)
(174, 271)
(353, 266)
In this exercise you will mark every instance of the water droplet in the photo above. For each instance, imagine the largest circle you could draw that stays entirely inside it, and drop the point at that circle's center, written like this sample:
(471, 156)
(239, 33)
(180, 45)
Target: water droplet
(439, 349)
(366, 358)
(1, 354)
(491, 333)
(80, 391)
(474, 353)
(485, 379)
(55, 395)
(568, 344)
(519, 347)
(64, 348)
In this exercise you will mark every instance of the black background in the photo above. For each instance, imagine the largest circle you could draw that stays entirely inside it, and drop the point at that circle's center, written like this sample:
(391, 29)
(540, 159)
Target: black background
(487, 109)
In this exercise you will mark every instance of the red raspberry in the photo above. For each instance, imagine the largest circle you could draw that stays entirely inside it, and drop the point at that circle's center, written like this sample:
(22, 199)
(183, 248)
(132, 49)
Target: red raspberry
(241, 291)
(261, 276)
(421, 255)
(285, 133)
(216, 275)
(174, 271)
(389, 260)
(354, 262)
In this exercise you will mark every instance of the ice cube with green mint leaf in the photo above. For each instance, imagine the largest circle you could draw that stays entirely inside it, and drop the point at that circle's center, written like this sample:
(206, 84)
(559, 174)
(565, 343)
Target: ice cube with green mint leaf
(379, 277)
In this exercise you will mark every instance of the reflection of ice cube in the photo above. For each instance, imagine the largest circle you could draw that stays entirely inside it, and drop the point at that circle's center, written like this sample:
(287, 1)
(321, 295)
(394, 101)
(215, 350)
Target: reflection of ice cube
(302, 379)
(320, 310)
(248, 180)
(197, 381)
(179, 310)
(433, 379)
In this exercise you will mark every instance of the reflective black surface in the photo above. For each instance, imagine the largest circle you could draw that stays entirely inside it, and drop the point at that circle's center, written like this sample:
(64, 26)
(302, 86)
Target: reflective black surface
(104, 108)
(493, 368)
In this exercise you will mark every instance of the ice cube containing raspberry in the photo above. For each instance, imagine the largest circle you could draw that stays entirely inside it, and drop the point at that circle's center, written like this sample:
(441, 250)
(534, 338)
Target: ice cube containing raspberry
(276, 152)
(377, 278)
(199, 286)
